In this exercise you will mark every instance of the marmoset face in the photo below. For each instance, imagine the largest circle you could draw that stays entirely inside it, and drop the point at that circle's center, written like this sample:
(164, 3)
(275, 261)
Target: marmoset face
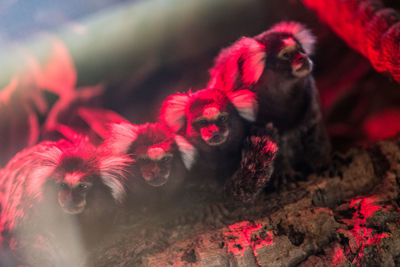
(285, 55)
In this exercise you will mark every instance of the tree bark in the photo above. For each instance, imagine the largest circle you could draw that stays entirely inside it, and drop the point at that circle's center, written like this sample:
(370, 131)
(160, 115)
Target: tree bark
(347, 217)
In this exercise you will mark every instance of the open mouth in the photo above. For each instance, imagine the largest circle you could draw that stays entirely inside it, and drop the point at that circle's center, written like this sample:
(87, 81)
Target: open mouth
(217, 139)
(302, 69)
(158, 181)
(75, 210)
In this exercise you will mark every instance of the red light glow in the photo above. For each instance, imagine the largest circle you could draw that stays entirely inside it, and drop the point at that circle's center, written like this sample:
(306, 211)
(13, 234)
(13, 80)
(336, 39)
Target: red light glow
(243, 236)
(338, 258)
(361, 235)
(367, 27)
(383, 125)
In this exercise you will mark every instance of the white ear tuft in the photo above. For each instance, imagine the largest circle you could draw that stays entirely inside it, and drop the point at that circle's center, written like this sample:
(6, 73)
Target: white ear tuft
(113, 172)
(246, 103)
(188, 151)
(121, 136)
(253, 61)
(37, 166)
(227, 70)
(173, 111)
(299, 31)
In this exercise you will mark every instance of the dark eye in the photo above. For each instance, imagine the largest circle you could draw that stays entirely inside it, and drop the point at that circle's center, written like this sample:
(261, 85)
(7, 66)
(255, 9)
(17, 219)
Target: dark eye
(222, 118)
(203, 122)
(63, 185)
(166, 159)
(145, 160)
(285, 55)
(83, 187)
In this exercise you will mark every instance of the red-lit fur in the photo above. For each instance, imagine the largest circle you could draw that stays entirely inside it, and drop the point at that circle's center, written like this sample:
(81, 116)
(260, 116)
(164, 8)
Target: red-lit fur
(241, 65)
(29, 180)
(179, 108)
(214, 122)
(276, 65)
(123, 135)
(299, 32)
(162, 160)
(226, 72)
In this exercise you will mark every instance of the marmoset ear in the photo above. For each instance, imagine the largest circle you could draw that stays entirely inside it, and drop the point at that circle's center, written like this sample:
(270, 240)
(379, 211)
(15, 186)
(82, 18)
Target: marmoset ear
(188, 152)
(40, 164)
(242, 63)
(121, 137)
(173, 111)
(113, 172)
(245, 102)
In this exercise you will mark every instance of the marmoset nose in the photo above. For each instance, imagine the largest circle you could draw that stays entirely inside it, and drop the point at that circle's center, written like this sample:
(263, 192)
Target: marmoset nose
(155, 169)
(209, 132)
(150, 171)
(300, 58)
(212, 129)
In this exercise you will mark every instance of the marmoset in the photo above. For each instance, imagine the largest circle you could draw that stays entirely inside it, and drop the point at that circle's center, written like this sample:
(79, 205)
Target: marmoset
(162, 160)
(276, 65)
(66, 192)
(217, 124)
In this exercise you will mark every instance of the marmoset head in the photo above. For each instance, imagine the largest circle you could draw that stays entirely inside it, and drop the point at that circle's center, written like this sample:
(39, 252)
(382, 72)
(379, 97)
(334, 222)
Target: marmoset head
(284, 49)
(83, 174)
(209, 117)
(74, 179)
(157, 151)
(288, 47)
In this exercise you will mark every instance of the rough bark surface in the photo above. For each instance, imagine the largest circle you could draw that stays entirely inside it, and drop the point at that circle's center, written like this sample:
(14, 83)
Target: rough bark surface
(347, 217)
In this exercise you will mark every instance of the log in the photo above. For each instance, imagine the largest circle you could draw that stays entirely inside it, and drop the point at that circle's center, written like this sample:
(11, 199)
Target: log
(346, 217)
